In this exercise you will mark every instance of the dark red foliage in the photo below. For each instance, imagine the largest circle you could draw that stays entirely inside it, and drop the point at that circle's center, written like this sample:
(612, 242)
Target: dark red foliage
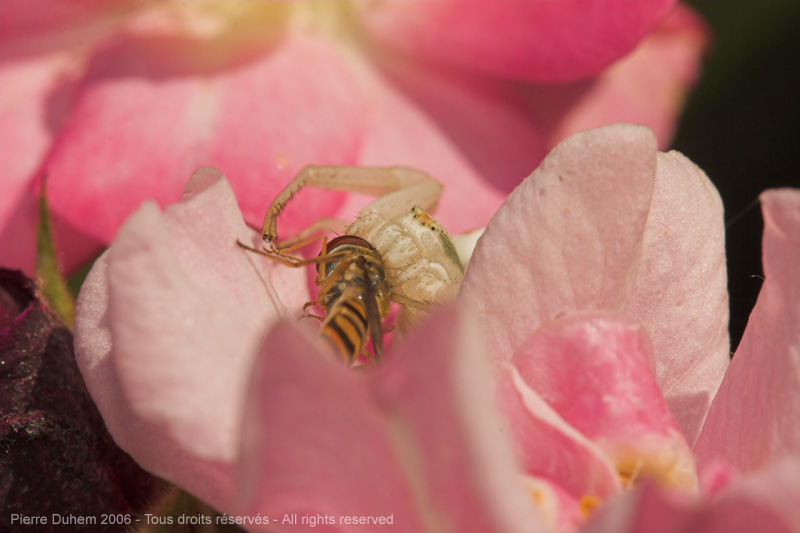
(56, 455)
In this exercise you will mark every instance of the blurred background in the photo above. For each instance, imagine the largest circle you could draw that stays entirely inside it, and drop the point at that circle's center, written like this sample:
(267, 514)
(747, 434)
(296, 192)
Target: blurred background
(742, 126)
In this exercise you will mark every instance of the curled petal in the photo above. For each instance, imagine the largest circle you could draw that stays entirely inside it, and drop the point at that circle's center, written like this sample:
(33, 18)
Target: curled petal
(594, 370)
(416, 439)
(550, 448)
(754, 415)
(179, 281)
(607, 223)
(527, 40)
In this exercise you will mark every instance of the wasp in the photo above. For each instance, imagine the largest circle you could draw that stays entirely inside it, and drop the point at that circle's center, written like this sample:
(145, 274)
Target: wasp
(395, 251)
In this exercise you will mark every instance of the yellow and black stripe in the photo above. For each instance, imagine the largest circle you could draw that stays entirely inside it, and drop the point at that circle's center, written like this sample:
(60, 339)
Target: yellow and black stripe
(345, 326)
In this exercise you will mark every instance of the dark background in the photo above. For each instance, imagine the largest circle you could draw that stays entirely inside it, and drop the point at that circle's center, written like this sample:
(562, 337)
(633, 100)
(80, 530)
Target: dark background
(742, 126)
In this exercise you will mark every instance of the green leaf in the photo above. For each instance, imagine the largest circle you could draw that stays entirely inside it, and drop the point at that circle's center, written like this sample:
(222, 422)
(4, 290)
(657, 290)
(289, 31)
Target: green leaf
(51, 282)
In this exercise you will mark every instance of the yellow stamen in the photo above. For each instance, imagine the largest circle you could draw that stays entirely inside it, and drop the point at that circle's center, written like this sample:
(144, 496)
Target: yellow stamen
(587, 504)
(536, 495)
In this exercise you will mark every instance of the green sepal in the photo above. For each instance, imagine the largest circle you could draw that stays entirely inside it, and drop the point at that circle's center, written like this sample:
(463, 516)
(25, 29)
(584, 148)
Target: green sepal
(52, 284)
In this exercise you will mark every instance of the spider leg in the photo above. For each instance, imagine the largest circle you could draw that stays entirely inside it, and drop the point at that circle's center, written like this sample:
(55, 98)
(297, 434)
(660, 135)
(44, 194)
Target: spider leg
(376, 181)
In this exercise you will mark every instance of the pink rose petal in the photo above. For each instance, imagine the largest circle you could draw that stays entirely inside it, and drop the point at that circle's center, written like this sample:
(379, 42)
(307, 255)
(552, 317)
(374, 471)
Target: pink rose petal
(594, 371)
(314, 442)
(46, 19)
(497, 136)
(466, 455)
(400, 132)
(527, 40)
(416, 439)
(36, 86)
(235, 119)
(647, 87)
(23, 131)
(754, 417)
(607, 223)
(168, 324)
(43, 48)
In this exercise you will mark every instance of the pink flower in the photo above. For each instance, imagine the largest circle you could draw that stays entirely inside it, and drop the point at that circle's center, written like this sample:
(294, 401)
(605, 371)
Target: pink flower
(601, 341)
(116, 102)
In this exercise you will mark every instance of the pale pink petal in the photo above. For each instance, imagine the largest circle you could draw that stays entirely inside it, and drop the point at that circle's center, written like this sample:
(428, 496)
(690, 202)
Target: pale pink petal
(148, 442)
(168, 323)
(567, 238)
(764, 501)
(755, 416)
(680, 294)
(153, 110)
(646, 87)
(607, 223)
(595, 371)
(528, 40)
(417, 439)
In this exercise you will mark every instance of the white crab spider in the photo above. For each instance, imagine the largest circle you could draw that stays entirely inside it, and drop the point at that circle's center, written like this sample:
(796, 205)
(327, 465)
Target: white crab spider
(421, 262)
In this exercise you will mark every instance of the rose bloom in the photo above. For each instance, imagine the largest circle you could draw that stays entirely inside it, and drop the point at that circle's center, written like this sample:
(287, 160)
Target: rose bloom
(114, 102)
(580, 382)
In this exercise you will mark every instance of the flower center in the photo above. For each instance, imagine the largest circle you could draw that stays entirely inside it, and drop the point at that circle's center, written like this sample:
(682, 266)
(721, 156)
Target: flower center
(332, 19)
(671, 466)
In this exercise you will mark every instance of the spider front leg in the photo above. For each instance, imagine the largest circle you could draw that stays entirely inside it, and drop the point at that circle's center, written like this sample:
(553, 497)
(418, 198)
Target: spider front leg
(416, 188)
(280, 256)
